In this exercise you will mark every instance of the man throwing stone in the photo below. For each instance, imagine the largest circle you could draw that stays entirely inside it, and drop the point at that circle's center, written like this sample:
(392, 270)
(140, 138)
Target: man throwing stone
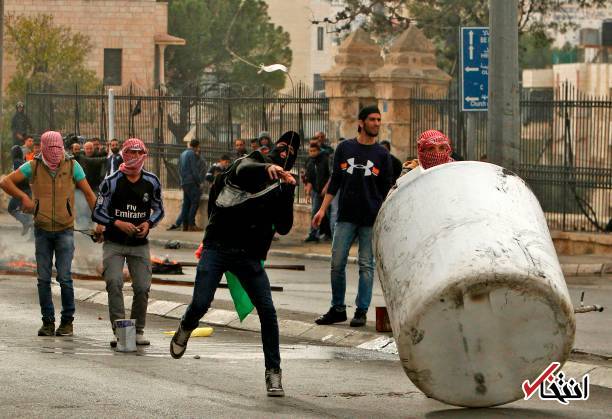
(248, 203)
(128, 206)
(362, 175)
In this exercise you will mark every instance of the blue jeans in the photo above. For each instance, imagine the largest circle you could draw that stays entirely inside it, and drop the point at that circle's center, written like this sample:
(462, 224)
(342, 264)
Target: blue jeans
(333, 213)
(14, 208)
(191, 202)
(60, 243)
(344, 236)
(213, 263)
(316, 200)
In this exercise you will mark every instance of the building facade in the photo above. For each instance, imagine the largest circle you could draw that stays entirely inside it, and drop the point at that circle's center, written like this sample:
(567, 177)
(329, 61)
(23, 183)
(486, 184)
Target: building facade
(129, 37)
(314, 46)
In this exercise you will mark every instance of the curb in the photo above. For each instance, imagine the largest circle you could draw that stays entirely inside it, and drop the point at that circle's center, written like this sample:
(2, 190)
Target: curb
(226, 318)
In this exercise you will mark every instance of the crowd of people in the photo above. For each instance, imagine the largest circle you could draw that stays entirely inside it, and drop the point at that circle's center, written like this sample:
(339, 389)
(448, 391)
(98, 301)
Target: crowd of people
(251, 198)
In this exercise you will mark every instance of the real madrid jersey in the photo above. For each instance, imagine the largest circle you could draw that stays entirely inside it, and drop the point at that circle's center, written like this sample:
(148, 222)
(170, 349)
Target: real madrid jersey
(132, 202)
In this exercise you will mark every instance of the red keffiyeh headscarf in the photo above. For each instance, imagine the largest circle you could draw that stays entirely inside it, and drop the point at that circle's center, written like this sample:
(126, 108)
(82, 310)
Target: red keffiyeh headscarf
(432, 158)
(52, 149)
(133, 164)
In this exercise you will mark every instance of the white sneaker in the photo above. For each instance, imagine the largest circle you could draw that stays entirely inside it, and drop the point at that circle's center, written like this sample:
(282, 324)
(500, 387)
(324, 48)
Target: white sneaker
(141, 340)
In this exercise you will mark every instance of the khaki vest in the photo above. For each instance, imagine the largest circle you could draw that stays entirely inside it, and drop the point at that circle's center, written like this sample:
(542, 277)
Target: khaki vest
(53, 195)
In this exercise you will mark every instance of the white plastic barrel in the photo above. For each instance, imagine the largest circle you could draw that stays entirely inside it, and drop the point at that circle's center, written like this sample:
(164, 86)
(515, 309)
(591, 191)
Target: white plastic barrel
(474, 289)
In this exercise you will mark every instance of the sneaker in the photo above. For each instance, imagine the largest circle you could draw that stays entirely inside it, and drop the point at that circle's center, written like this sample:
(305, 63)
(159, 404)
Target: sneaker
(47, 329)
(274, 384)
(173, 227)
(141, 340)
(65, 328)
(195, 228)
(185, 227)
(332, 316)
(359, 319)
(311, 239)
(178, 344)
(113, 342)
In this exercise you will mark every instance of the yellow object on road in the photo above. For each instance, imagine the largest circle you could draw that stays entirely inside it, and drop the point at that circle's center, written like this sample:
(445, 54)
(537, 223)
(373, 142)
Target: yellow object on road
(200, 332)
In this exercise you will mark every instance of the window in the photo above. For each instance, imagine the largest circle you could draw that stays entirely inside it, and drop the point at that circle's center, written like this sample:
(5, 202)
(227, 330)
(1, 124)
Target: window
(318, 83)
(112, 67)
(320, 32)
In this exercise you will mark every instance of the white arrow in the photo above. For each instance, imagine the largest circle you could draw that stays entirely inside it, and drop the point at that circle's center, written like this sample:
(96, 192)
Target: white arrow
(469, 69)
(471, 99)
(471, 47)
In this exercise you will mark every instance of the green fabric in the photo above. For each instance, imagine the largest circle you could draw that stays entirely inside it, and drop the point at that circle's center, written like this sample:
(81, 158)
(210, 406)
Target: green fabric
(242, 302)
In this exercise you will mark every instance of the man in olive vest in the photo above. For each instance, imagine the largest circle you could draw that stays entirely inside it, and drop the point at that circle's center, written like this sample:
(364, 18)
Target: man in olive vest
(52, 176)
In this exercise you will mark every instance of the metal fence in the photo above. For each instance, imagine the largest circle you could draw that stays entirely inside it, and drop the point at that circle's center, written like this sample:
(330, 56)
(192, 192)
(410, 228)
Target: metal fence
(215, 116)
(565, 146)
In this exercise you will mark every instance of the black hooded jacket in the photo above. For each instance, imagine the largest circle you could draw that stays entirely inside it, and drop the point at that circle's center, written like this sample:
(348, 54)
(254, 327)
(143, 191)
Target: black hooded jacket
(250, 226)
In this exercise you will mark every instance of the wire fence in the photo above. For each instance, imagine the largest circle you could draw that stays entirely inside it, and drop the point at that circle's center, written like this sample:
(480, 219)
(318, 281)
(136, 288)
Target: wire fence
(565, 149)
(214, 116)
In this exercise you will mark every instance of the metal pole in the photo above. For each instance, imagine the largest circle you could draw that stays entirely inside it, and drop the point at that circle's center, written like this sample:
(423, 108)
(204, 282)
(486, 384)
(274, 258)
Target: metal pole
(470, 143)
(504, 122)
(111, 114)
(1, 82)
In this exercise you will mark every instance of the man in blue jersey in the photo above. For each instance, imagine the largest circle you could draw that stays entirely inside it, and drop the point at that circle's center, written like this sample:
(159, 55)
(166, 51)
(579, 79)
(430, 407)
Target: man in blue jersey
(362, 175)
(129, 204)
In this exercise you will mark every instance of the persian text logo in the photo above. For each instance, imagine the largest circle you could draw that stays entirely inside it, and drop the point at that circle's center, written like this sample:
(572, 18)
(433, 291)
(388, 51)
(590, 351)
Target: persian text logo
(552, 385)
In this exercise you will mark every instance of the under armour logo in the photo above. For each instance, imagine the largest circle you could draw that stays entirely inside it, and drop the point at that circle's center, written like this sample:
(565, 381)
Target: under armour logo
(367, 167)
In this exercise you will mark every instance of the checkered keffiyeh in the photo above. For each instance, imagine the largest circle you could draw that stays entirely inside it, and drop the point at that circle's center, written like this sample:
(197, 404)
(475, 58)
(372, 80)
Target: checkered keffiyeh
(52, 149)
(133, 165)
(431, 159)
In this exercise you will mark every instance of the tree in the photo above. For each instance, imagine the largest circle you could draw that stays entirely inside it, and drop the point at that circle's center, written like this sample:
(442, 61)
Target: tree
(47, 54)
(212, 28)
(440, 19)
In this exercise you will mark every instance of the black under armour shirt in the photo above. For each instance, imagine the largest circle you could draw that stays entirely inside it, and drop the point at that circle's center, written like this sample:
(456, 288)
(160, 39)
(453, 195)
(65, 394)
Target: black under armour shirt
(362, 175)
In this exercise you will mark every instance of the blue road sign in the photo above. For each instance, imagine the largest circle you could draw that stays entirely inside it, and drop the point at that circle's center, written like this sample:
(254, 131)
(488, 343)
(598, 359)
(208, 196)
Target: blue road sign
(474, 69)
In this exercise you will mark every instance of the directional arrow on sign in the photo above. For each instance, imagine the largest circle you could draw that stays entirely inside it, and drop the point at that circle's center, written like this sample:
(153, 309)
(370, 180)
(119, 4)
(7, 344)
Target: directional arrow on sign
(468, 69)
(471, 99)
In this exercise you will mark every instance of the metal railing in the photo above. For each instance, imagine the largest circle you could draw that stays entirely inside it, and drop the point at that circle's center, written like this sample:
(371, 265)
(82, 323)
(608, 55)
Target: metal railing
(165, 123)
(565, 146)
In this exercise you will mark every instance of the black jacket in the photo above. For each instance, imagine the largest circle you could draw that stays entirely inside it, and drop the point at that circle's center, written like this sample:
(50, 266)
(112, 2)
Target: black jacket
(317, 171)
(94, 168)
(249, 226)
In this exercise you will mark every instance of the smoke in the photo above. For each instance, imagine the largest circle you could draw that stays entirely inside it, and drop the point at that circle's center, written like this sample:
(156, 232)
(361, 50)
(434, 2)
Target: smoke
(14, 246)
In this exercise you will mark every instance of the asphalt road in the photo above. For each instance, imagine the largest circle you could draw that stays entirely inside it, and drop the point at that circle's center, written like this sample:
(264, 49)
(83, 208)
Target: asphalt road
(82, 377)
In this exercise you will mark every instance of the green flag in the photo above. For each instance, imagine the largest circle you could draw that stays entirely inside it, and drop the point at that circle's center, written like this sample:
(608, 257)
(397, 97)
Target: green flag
(242, 302)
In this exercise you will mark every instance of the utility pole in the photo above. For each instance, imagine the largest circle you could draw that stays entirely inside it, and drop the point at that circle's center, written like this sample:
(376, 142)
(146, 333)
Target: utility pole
(504, 118)
(1, 82)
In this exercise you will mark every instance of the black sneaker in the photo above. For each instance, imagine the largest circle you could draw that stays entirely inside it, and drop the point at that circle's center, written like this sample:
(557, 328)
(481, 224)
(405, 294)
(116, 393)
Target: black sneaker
(274, 385)
(173, 227)
(311, 239)
(332, 316)
(65, 328)
(47, 329)
(178, 344)
(360, 318)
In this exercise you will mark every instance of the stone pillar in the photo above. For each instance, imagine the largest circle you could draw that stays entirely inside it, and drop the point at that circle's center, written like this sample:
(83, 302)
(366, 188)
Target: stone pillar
(348, 85)
(409, 65)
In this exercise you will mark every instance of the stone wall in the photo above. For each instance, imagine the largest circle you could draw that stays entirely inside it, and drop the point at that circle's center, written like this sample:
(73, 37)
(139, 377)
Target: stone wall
(361, 77)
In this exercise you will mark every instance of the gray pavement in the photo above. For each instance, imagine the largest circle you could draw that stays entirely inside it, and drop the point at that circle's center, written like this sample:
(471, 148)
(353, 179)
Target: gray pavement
(82, 377)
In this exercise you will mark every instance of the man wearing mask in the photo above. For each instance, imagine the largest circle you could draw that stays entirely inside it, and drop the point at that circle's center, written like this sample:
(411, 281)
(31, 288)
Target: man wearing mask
(129, 205)
(114, 160)
(52, 175)
(362, 174)
(248, 203)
